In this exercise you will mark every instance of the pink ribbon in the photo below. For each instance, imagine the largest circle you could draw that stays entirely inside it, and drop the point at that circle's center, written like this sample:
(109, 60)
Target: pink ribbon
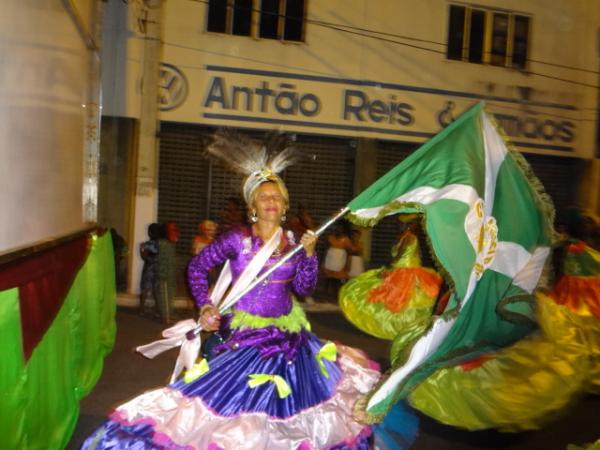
(175, 336)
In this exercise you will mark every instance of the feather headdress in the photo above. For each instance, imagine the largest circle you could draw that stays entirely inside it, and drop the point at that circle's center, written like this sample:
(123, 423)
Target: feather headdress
(258, 161)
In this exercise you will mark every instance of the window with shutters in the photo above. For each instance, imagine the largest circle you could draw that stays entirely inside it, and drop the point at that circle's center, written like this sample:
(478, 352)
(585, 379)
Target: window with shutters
(487, 36)
(183, 181)
(230, 17)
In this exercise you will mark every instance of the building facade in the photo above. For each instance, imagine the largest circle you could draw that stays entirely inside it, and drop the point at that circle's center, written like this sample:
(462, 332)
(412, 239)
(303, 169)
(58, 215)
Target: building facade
(359, 85)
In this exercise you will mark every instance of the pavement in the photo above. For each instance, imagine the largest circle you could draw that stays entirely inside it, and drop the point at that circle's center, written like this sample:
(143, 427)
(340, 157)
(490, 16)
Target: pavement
(127, 374)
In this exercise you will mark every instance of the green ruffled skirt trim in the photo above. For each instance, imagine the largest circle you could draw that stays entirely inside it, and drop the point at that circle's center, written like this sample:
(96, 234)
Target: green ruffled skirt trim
(294, 322)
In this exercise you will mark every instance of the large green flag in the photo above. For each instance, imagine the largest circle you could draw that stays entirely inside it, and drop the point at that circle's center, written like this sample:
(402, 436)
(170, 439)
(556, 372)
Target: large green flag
(490, 229)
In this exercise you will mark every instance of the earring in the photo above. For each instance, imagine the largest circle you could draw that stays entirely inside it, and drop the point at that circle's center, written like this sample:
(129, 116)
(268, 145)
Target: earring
(283, 217)
(253, 217)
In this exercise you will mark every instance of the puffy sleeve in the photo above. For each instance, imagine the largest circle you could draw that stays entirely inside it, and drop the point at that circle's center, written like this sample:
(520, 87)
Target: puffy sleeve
(305, 281)
(225, 247)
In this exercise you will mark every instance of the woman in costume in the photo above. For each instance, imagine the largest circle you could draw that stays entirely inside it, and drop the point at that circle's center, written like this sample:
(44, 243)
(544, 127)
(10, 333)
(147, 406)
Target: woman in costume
(578, 281)
(396, 301)
(272, 384)
(207, 231)
(336, 258)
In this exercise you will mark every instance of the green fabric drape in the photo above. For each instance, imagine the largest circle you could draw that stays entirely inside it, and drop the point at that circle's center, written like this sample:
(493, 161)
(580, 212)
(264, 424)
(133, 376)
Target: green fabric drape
(39, 401)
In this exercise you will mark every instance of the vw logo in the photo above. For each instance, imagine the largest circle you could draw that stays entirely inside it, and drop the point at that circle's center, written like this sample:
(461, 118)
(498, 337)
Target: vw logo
(172, 87)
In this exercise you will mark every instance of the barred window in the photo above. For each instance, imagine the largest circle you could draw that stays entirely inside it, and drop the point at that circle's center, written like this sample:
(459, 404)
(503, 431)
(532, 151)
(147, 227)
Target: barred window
(520, 38)
(499, 39)
(293, 24)
(456, 35)
(267, 19)
(476, 36)
(217, 16)
(242, 17)
(486, 36)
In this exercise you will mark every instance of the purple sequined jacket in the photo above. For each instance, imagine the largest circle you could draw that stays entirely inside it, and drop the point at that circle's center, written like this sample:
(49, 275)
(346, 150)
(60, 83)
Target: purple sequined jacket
(271, 298)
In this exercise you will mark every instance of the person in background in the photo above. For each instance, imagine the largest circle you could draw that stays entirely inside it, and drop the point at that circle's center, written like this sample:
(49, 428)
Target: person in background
(301, 221)
(233, 215)
(355, 265)
(396, 299)
(167, 270)
(336, 258)
(207, 231)
(150, 281)
(577, 264)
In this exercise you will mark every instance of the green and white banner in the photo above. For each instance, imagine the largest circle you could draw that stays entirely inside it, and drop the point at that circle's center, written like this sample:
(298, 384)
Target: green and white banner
(490, 229)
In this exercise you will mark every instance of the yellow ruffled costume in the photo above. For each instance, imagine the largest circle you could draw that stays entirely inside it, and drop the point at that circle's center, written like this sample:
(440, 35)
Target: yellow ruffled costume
(396, 301)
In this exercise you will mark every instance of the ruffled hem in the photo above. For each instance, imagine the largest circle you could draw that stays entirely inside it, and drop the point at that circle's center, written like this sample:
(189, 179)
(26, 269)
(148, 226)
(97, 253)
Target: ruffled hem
(179, 422)
(118, 435)
(521, 387)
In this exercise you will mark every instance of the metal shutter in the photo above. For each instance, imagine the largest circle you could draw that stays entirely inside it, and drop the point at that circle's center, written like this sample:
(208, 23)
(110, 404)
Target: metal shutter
(191, 188)
(183, 179)
(323, 181)
(560, 177)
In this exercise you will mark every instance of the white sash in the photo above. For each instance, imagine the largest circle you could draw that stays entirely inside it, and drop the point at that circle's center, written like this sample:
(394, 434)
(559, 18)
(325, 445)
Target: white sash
(246, 277)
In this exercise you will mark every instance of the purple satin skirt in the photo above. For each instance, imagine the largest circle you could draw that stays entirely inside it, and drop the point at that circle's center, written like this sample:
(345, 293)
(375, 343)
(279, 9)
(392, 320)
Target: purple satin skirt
(219, 410)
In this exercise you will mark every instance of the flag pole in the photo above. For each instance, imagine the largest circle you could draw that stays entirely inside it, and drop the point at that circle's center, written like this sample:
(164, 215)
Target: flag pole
(283, 260)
